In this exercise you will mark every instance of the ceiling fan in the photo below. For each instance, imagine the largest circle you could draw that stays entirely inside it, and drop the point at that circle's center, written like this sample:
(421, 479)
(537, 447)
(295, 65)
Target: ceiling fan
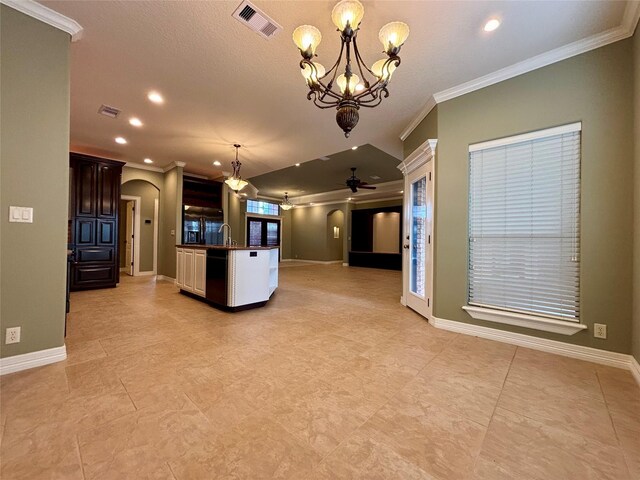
(354, 183)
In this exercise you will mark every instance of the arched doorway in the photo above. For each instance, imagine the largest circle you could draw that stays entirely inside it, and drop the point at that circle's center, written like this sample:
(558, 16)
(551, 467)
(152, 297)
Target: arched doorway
(138, 229)
(335, 234)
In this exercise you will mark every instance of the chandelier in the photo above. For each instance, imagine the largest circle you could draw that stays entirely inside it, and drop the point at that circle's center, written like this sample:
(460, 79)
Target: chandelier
(286, 204)
(353, 91)
(235, 181)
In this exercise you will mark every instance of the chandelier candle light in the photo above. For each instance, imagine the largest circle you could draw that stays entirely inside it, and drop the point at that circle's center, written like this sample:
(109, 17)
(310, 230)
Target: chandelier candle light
(353, 91)
(235, 181)
(286, 204)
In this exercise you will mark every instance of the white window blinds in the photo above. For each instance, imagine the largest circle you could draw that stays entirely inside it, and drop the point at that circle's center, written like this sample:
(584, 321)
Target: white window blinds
(524, 223)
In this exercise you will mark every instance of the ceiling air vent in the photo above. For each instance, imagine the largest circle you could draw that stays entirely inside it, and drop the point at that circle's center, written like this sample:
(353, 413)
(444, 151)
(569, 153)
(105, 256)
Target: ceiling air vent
(108, 111)
(254, 18)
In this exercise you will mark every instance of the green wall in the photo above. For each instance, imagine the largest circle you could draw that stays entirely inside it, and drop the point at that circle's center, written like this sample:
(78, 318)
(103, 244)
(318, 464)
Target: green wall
(334, 245)
(310, 233)
(34, 172)
(171, 220)
(636, 209)
(428, 128)
(148, 195)
(594, 88)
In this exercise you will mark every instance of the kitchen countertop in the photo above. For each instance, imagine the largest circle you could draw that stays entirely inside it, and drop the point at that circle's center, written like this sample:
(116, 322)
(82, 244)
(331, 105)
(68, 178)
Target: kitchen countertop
(198, 246)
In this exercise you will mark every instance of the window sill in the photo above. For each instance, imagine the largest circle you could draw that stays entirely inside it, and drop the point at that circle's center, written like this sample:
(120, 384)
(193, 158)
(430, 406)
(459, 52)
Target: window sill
(528, 321)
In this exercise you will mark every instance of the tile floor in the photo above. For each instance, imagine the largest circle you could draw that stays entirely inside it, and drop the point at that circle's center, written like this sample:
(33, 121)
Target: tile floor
(332, 380)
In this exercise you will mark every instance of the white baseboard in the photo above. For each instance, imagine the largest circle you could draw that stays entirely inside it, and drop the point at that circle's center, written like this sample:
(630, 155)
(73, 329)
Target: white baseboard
(25, 361)
(345, 264)
(589, 354)
(635, 369)
(145, 274)
(165, 278)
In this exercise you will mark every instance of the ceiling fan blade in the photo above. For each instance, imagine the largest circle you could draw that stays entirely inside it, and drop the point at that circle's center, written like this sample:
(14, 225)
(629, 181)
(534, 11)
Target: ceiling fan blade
(368, 187)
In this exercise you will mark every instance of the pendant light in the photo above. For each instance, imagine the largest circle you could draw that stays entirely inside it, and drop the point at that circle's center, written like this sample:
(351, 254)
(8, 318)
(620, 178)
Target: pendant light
(235, 181)
(286, 204)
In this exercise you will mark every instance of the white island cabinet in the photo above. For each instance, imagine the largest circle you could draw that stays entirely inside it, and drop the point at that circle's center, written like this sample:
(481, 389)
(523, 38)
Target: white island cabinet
(191, 270)
(230, 277)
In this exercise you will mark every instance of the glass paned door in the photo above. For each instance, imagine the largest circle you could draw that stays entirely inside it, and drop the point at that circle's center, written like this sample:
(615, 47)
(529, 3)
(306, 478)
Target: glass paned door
(418, 236)
(262, 232)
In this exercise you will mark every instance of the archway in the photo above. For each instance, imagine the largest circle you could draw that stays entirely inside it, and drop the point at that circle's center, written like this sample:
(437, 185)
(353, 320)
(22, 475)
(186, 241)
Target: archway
(146, 218)
(335, 234)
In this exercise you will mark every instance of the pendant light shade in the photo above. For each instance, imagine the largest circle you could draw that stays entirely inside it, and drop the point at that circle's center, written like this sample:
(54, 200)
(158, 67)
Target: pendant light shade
(347, 13)
(383, 69)
(342, 83)
(235, 181)
(307, 38)
(393, 35)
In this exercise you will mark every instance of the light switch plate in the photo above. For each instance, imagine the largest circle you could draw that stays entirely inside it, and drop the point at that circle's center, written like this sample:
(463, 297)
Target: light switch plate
(20, 214)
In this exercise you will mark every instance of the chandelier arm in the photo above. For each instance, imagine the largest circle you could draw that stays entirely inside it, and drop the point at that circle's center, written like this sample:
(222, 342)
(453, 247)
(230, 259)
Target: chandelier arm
(324, 92)
(372, 90)
(384, 93)
(319, 101)
(359, 61)
(335, 66)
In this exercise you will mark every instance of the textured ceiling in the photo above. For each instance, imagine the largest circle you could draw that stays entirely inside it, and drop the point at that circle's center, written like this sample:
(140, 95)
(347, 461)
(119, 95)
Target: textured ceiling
(224, 84)
(326, 175)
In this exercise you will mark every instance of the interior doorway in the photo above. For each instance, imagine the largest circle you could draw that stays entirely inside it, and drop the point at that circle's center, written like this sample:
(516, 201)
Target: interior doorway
(129, 235)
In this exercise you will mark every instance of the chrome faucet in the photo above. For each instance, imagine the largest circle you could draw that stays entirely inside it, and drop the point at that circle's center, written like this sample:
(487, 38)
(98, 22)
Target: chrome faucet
(228, 242)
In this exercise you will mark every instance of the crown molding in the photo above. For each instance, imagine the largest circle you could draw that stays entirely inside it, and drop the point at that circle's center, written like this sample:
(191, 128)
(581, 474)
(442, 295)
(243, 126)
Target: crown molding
(418, 157)
(48, 16)
(340, 196)
(173, 165)
(624, 30)
(430, 105)
(141, 166)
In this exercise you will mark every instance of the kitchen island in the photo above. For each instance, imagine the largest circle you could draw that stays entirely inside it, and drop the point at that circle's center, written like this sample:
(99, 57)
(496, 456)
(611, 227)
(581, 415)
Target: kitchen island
(230, 277)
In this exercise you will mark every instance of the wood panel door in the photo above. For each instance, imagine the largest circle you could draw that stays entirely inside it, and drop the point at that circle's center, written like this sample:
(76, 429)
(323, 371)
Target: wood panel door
(85, 189)
(108, 191)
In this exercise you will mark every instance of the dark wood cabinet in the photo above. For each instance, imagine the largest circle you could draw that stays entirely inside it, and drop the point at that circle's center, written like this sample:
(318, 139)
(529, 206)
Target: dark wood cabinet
(93, 226)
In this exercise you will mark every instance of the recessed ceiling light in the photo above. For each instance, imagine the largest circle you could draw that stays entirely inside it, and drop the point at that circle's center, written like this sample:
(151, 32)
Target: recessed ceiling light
(217, 163)
(135, 122)
(148, 160)
(155, 97)
(297, 164)
(401, 191)
(354, 148)
(491, 25)
(121, 140)
(349, 199)
(311, 204)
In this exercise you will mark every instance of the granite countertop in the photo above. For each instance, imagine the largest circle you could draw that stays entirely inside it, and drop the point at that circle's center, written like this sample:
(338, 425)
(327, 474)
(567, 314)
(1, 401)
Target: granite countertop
(198, 246)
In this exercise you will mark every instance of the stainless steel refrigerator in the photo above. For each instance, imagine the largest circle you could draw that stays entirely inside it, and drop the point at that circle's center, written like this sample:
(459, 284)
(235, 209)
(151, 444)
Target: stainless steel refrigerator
(201, 224)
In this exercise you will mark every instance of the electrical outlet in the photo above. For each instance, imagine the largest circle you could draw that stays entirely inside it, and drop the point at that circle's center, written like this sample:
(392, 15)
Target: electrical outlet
(599, 330)
(12, 335)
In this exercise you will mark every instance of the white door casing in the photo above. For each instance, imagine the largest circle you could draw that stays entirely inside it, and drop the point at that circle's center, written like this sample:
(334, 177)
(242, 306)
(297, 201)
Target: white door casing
(418, 236)
(129, 238)
(136, 233)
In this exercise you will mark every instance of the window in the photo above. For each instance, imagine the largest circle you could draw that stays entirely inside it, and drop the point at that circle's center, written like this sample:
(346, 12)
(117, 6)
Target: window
(263, 208)
(524, 224)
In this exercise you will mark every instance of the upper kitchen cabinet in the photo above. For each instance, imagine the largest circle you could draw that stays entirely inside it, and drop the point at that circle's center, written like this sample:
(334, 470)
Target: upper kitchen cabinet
(199, 192)
(94, 196)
